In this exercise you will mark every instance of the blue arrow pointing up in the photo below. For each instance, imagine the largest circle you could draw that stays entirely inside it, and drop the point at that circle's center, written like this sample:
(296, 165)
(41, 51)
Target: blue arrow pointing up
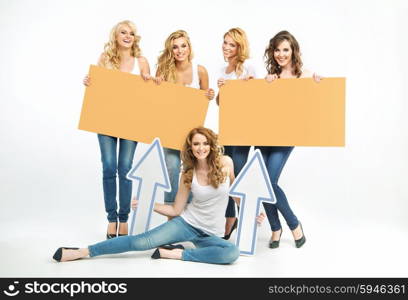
(150, 173)
(253, 186)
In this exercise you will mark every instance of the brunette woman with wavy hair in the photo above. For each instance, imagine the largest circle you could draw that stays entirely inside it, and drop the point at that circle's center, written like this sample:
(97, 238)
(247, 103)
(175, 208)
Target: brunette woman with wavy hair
(175, 64)
(208, 174)
(283, 60)
(121, 52)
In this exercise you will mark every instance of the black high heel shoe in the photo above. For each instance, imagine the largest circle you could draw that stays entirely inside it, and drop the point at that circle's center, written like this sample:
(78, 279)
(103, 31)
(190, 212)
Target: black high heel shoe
(299, 243)
(156, 253)
(112, 235)
(275, 244)
(227, 236)
(58, 254)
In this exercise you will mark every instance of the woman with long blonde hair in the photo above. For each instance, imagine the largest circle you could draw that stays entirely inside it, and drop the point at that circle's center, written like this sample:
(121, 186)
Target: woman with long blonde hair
(235, 48)
(175, 64)
(121, 52)
(208, 174)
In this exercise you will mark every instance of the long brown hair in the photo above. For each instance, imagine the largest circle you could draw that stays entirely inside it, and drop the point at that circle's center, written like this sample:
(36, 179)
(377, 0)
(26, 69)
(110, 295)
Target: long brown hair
(215, 174)
(271, 65)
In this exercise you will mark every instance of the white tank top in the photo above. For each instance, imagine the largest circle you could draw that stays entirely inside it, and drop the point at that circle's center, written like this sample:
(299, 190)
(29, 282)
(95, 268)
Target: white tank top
(136, 69)
(207, 208)
(195, 83)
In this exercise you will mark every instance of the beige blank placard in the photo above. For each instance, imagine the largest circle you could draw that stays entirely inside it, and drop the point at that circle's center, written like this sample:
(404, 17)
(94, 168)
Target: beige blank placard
(124, 105)
(287, 112)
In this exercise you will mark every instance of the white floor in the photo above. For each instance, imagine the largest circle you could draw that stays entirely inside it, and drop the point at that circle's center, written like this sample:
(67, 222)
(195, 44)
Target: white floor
(336, 247)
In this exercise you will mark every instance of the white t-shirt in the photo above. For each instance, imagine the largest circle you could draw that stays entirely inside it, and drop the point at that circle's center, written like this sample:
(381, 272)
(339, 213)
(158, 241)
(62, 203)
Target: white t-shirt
(248, 70)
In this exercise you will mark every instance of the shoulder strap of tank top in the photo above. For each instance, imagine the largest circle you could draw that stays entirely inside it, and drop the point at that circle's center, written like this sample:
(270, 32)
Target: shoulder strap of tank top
(136, 67)
(195, 76)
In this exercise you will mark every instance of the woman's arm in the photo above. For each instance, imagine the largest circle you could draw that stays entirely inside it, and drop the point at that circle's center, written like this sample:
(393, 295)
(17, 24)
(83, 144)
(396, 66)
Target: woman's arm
(144, 68)
(179, 203)
(203, 79)
(87, 80)
(220, 83)
(309, 74)
(229, 165)
(158, 78)
(101, 60)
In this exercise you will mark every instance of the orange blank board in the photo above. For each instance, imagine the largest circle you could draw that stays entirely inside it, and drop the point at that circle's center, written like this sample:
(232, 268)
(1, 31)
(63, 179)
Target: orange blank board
(124, 105)
(287, 112)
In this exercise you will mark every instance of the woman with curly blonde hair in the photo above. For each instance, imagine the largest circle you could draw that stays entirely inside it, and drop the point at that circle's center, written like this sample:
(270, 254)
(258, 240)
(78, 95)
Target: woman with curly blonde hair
(235, 48)
(175, 65)
(207, 174)
(121, 52)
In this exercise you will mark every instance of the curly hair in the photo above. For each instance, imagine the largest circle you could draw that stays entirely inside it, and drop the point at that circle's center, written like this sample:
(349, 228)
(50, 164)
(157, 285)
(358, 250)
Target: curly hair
(271, 65)
(110, 56)
(166, 65)
(239, 37)
(215, 174)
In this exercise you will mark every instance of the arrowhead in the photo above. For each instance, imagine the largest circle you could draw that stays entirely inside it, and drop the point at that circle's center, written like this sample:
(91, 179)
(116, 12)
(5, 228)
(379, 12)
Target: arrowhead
(254, 180)
(152, 167)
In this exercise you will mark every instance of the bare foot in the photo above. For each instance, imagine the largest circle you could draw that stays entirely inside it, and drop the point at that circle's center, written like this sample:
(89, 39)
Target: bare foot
(68, 254)
(276, 235)
(297, 232)
(173, 254)
(123, 228)
(229, 224)
(112, 227)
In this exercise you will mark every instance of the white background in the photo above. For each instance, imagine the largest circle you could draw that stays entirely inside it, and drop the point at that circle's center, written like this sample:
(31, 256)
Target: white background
(352, 201)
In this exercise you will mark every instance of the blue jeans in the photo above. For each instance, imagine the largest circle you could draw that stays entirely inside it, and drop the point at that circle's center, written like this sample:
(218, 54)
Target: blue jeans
(112, 165)
(209, 249)
(239, 155)
(173, 163)
(275, 159)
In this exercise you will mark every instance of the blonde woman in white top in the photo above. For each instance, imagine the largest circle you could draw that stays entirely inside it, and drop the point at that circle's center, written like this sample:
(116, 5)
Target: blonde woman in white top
(121, 52)
(176, 65)
(235, 48)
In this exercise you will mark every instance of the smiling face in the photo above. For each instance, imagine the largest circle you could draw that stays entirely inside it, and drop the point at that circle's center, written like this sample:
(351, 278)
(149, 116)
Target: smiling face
(283, 54)
(200, 146)
(181, 49)
(229, 48)
(125, 37)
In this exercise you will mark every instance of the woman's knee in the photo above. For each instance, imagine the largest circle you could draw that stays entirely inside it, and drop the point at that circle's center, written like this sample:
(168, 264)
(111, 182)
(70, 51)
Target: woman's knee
(230, 255)
(139, 242)
(123, 169)
(109, 168)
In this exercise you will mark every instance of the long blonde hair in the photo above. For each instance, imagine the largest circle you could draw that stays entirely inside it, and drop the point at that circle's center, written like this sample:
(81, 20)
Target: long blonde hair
(215, 174)
(110, 56)
(166, 65)
(239, 37)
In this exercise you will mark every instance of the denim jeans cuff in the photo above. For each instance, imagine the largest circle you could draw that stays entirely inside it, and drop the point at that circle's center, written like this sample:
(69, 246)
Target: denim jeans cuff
(123, 219)
(184, 255)
(91, 251)
(293, 227)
